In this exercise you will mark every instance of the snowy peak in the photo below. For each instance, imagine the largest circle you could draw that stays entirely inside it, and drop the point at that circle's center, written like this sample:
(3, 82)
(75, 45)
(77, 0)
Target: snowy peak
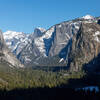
(88, 17)
(15, 40)
(41, 29)
(6, 54)
(56, 41)
(43, 43)
(38, 32)
(12, 34)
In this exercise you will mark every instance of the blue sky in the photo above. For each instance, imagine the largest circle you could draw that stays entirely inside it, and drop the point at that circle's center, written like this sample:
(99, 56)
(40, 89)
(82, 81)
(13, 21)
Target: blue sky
(25, 15)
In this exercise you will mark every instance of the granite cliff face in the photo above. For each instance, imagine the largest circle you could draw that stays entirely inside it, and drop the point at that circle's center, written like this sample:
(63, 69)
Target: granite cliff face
(85, 47)
(50, 43)
(16, 41)
(6, 55)
(63, 34)
(30, 52)
(71, 43)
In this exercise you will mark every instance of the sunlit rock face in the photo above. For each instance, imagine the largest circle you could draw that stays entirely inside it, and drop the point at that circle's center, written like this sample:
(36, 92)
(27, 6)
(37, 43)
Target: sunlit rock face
(6, 55)
(65, 42)
(85, 47)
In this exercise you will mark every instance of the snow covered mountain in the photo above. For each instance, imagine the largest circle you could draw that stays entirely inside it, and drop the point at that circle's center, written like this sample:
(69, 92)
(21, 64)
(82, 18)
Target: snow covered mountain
(85, 50)
(6, 55)
(16, 40)
(88, 17)
(54, 41)
(42, 44)
(50, 43)
(31, 51)
(38, 32)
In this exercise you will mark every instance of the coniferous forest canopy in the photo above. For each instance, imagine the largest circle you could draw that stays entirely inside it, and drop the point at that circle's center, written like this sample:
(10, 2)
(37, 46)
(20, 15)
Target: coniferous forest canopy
(45, 84)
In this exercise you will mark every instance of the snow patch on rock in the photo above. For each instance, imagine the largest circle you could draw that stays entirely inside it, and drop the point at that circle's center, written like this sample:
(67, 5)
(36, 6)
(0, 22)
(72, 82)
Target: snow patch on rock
(88, 17)
(62, 59)
(16, 40)
(96, 38)
(59, 26)
(39, 42)
(41, 29)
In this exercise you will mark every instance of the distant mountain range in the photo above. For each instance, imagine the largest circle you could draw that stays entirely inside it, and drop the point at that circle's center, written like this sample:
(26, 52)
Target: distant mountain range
(6, 55)
(71, 43)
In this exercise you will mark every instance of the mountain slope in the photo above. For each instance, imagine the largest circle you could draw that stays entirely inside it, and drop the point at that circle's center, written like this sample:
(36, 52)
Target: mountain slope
(56, 43)
(30, 52)
(51, 43)
(16, 41)
(6, 55)
(56, 40)
(85, 46)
